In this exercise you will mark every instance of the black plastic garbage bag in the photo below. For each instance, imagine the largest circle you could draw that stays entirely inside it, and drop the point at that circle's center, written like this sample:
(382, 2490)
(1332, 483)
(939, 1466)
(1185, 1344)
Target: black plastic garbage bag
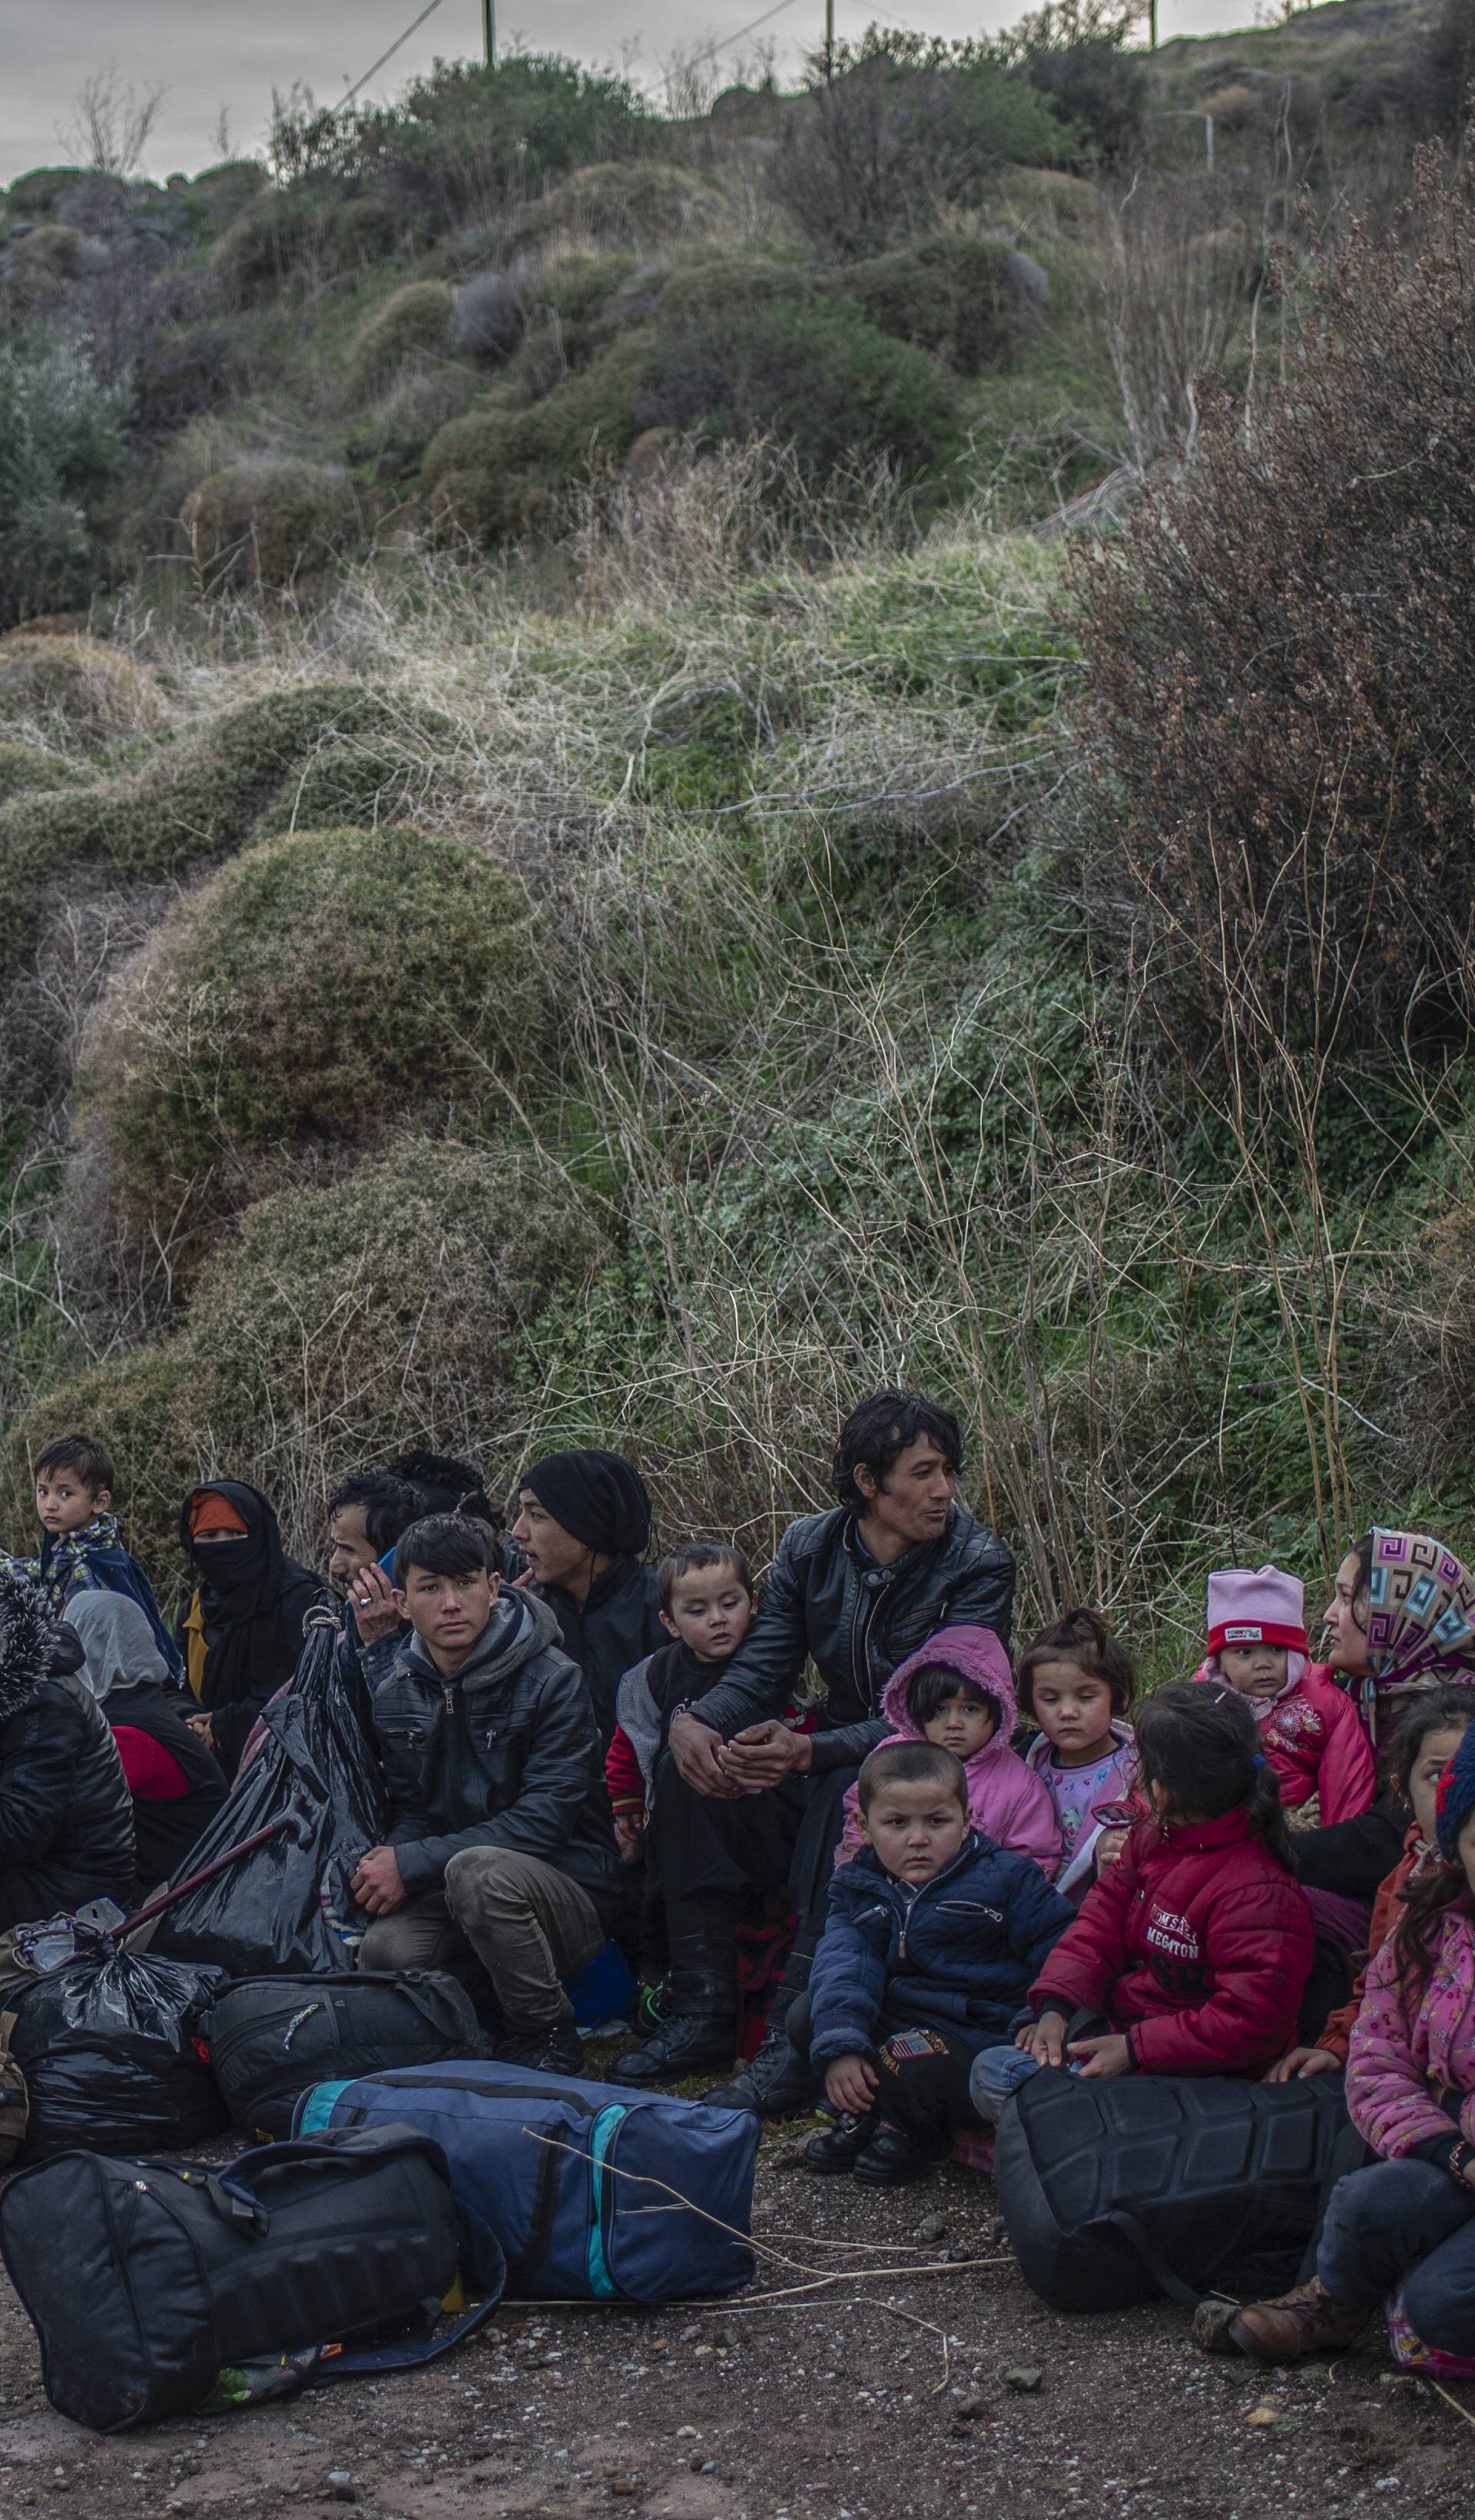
(288, 1907)
(112, 2045)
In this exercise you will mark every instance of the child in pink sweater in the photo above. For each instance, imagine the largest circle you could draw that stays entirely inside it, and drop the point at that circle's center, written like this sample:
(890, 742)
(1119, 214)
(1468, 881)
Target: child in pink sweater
(958, 1690)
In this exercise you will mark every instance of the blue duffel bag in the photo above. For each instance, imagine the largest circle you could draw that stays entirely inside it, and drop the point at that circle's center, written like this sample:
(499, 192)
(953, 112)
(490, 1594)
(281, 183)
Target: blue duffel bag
(595, 2193)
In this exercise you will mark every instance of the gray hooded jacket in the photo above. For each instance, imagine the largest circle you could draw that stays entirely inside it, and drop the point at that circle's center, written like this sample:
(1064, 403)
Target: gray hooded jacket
(506, 1754)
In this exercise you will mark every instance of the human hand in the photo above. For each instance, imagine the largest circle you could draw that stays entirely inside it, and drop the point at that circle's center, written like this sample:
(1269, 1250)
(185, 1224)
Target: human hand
(765, 1754)
(850, 2084)
(1104, 2058)
(1300, 2063)
(629, 1830)
(200, 1726)
(1108, 1847)
(1044, 2039)
(375, 1613)
(377, 1884)
(695, 1746)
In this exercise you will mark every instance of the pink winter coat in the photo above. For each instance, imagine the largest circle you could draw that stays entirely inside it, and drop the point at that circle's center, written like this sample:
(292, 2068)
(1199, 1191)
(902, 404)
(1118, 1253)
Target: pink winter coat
(1007, 1800)
(1401, 2056)
(1313, 1737)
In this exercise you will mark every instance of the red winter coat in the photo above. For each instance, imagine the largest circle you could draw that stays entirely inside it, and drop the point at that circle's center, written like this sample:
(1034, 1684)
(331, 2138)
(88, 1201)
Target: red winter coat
(1314, 1738)
(1196, 1944)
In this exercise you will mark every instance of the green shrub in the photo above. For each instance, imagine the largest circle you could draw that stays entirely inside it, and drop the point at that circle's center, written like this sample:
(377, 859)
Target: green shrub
(337, 1325)
(312, 990)
(949, 295)
(498, 472)
(636, 208)
(1095, 85)
(62, 454)
(223, 191)
(26, 767)
(32, 195)
(88, 693)
(47, 253)
(415, 318)
(736, 356)
(354, 755)
(264, 521)
(275, 235)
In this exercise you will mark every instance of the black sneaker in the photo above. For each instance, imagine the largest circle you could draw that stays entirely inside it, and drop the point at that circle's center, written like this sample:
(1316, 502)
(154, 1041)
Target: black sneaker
(556, 2049)
(780, 2083)
(897, 2159)
(690, 2043)
(841, 2148)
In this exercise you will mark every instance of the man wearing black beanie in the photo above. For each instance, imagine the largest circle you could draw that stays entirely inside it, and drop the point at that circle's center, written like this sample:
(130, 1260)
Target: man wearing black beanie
(584, 1525)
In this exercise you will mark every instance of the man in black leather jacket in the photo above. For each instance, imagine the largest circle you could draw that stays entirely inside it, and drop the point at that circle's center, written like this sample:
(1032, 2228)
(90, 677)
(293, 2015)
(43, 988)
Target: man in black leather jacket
(65, 1812)
(855, 1591)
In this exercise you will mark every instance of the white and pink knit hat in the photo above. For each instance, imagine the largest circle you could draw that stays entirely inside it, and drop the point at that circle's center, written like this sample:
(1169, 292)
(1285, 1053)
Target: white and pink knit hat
(1262, 1607)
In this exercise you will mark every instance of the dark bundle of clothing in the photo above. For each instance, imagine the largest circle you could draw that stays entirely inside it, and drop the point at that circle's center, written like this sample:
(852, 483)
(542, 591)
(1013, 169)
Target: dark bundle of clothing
(242, 1634)
(66, 1818)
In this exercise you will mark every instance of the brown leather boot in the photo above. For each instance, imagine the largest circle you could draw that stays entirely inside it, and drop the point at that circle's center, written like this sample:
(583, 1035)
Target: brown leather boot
(1303, 2322)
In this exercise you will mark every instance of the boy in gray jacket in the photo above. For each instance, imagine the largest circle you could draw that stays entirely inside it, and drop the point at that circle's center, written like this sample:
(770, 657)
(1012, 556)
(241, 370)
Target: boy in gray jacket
(500, 1838)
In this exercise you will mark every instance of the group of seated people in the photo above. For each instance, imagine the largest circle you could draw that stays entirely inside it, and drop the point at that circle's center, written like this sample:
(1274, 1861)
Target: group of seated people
(960, 1870)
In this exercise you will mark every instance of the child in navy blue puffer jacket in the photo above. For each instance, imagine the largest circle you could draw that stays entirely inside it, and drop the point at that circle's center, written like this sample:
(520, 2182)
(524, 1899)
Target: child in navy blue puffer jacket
(933, 1938)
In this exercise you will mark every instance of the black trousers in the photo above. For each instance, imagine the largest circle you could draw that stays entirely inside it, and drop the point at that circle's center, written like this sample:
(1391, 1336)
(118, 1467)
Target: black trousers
(1351, 1856)
(708, 1856)
(923, 2074)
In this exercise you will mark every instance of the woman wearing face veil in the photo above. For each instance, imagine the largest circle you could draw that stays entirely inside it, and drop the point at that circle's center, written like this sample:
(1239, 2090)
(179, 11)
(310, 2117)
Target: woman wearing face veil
(243, 1632)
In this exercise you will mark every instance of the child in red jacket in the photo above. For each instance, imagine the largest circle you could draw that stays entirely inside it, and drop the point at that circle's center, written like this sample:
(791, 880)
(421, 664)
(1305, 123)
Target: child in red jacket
(1309, 1729)
(1192, 1953)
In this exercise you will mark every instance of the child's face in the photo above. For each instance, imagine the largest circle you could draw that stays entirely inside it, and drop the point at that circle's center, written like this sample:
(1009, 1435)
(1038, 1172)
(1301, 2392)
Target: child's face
(915, 1830)
(448, 1612)
(961, 1725)
(1255, 1671)
(1073, 1710)
(711, 1611)
(1435, 1753)
(64, 1504)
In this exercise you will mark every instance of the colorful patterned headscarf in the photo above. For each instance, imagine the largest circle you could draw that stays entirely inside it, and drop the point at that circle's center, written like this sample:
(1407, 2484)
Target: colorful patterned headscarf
(1421, 1613)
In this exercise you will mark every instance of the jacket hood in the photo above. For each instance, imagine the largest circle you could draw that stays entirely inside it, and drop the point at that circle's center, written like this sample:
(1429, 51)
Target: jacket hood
(117, 1643)
(975, 1655)
(520, 1627)
(27, 1640)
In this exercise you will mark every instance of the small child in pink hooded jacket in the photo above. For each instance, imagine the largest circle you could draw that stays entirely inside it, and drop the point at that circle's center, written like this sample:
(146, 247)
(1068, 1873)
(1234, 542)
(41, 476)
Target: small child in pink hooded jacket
(946, 1691)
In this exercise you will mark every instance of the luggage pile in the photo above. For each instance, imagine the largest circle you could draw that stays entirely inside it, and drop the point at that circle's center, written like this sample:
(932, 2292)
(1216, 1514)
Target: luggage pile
(418, 2171)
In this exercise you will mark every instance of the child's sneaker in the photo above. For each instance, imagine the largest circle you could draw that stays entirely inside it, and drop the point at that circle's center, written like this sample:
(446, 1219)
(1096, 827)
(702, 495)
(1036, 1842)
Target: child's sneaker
(843, 2148)
(1411, 2353)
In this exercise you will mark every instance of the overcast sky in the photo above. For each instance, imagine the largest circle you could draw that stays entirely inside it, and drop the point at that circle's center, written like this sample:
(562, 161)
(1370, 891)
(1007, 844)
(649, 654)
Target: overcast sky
(215, 55)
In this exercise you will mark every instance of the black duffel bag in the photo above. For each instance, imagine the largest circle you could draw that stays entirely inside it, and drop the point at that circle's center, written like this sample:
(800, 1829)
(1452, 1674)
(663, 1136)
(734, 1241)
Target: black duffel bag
(271, 2036)
(145, 2279)
(1120, 2192)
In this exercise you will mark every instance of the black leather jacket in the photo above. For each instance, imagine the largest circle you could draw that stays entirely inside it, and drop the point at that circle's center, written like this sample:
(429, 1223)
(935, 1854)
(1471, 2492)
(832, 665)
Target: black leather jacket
(857, 1621)
(506, 1754)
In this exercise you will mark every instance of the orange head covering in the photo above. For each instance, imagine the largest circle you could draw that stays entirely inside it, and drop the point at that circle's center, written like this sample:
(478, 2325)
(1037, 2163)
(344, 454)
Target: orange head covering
(209, 1511)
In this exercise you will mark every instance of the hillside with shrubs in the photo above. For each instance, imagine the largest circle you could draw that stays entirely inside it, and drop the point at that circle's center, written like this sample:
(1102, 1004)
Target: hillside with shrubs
(660, 759)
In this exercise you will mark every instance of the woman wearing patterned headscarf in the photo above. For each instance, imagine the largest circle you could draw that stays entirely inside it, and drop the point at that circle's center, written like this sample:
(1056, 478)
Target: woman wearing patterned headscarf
(1402, 1619)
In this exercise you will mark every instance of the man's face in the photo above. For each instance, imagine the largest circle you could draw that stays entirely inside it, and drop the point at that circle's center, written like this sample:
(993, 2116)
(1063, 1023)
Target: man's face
(349, 1548)
(913, 1500)
(553, 1553)
(64, 1504)
(448, 1612)
(914, 1829)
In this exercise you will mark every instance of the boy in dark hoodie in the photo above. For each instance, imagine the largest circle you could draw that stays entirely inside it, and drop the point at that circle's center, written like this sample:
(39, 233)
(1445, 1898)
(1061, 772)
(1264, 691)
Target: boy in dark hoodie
(933, 1935)
(500, 1839)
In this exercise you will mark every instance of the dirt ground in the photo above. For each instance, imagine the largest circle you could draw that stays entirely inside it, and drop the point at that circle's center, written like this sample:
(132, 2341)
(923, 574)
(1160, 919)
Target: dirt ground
(833, 2404)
